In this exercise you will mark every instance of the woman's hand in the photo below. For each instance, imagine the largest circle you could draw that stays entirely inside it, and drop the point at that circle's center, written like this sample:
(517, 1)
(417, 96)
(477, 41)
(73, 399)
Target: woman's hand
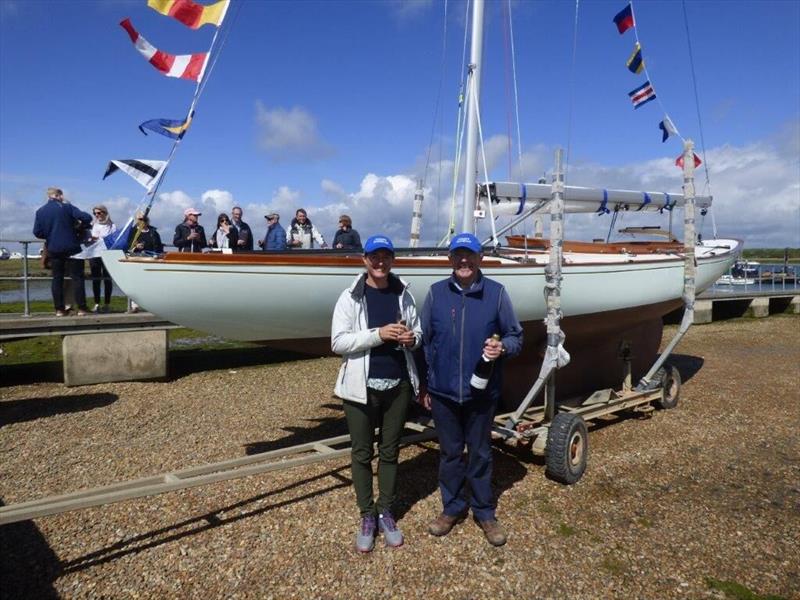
(391, 332)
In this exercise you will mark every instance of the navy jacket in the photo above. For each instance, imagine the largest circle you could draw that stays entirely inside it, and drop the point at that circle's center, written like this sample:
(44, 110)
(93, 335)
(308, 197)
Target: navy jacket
(275, 238)
(55, 223)
(350, 240)
(455, 324)
(182, 232)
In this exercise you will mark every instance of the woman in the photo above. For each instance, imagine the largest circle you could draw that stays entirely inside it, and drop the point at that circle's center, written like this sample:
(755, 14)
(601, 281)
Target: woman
(101, 227)
(346, 238)
(375, 328)
(148, 238)
(225, 235)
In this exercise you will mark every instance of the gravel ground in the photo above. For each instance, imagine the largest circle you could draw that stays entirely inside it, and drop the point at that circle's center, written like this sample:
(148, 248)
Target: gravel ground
(710, 489)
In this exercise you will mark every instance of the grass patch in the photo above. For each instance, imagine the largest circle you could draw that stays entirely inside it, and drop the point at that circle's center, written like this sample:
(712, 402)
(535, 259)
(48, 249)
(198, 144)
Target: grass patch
(737, 591)
(565, 530)
(613, 565)
(645, 522)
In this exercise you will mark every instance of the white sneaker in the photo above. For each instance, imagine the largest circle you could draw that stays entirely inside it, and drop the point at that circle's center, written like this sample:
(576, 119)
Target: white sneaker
(96, 308)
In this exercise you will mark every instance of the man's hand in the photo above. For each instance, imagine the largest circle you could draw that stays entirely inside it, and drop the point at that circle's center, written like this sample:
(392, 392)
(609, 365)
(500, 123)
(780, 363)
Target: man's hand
(492, 348)
(391, 332)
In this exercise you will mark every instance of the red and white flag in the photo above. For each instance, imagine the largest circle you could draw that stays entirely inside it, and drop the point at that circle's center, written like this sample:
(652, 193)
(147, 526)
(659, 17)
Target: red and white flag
(697, 161)
(185, 66)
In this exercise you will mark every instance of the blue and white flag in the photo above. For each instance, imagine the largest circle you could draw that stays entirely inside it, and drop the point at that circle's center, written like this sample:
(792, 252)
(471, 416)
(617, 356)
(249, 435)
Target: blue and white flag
(667, 129)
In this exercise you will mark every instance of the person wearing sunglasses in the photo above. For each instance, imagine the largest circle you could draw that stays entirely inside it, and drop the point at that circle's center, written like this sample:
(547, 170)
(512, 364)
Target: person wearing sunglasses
(101, 227)
(225, 236)
(275, 238)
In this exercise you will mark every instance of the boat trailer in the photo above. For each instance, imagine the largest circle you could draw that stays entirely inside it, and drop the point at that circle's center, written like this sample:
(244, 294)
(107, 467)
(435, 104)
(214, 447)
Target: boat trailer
(556, 431)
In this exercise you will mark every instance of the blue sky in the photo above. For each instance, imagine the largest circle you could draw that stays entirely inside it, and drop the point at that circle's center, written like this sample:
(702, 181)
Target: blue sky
(331, 106)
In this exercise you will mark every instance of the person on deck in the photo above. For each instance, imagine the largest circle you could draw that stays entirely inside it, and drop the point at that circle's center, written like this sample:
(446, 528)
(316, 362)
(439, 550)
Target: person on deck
(101, 227)
(245, 241)
(148, 239)
(459, 318)
(190, 235)
(375, 328)
(275, 238)
(225, 236)
(346, 238)
(302, 234)
(61, 225)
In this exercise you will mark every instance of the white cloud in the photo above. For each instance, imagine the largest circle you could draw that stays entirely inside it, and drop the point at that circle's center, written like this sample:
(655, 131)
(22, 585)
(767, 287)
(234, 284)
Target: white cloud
(756, 197)
(289, 134)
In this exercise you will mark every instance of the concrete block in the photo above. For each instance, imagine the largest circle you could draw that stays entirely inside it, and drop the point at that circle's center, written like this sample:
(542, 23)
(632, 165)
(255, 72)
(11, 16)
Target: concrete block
(759, 307)
(703, 310)
(120, 356)
(794, 306)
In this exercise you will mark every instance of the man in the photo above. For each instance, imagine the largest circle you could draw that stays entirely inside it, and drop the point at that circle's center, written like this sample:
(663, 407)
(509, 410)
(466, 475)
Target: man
(190, 235)
(302, 234)
(245, 241)
(459, 319)
(275, 238)
(62, 225)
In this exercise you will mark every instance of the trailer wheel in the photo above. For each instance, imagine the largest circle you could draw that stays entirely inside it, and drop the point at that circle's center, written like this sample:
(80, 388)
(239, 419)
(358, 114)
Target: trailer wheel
(670, 387)
(567, 448)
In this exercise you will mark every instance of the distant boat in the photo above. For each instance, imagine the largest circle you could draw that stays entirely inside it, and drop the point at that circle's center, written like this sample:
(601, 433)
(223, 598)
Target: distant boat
(742, 272)
(4, 254)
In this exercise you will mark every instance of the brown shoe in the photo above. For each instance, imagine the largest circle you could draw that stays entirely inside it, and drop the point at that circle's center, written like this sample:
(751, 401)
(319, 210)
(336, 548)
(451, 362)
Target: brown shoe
(493, 531)
(442, 524)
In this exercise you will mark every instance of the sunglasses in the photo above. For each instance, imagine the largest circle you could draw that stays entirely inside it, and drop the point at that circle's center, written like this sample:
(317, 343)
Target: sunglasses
(99, 212)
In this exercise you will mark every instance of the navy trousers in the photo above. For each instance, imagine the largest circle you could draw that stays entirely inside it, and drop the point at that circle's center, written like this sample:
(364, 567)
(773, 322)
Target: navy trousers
(60, 263)
(470, 425)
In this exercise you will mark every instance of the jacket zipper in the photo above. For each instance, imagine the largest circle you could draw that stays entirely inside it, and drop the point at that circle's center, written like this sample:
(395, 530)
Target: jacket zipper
(461, 354)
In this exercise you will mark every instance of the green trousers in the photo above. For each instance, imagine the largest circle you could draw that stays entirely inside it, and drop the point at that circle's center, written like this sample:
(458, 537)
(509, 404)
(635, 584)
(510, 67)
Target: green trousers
(385, 411)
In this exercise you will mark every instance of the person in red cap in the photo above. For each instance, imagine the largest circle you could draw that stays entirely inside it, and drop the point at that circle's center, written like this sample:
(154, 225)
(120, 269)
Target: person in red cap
(189, 235)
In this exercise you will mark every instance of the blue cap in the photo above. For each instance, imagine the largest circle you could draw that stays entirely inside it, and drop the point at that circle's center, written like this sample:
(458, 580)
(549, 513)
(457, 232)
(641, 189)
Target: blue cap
(376, 242)
(466, 240)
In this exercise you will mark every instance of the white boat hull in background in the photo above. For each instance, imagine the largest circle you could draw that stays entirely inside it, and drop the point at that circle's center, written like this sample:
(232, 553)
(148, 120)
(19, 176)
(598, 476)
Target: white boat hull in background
(253, 301)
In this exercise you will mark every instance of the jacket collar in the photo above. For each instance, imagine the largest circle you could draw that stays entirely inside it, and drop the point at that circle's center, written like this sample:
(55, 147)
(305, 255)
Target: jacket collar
(476, 288)
(396, 284)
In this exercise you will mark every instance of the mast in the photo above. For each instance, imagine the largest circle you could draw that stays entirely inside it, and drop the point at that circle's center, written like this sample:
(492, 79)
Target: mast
(473, 96)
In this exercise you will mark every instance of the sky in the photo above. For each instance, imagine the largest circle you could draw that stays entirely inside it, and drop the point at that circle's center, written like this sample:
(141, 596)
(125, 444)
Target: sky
(342, 106)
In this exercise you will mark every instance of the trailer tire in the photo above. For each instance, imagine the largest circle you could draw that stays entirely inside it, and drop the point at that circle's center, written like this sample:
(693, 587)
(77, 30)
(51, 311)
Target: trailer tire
(670, 387)
(567, 448)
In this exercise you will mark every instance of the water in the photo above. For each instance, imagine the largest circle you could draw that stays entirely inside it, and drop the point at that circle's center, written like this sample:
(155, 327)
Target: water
(40, 290)
(762, 286)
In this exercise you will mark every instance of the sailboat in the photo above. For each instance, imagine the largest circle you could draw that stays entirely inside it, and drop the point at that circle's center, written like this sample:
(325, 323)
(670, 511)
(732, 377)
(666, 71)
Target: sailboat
(606, 297)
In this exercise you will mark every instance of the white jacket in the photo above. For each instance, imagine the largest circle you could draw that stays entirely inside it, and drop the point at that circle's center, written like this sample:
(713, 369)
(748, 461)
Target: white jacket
(351, 338)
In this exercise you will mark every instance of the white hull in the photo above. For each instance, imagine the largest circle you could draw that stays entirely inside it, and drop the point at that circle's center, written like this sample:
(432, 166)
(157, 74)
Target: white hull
(253, 301)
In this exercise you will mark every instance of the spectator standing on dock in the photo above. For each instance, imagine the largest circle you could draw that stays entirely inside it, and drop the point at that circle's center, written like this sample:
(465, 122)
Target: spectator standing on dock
(61, 225)
(190, 235)
(148, 239)
(460, 316)
(225, 236)
(302, 234)
(102, 226)
(346, 238)
(375, 328)
(245, 241)
(275, 238)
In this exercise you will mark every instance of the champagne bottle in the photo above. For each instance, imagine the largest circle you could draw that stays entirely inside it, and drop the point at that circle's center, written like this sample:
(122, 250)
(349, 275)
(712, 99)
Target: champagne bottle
(483, 370)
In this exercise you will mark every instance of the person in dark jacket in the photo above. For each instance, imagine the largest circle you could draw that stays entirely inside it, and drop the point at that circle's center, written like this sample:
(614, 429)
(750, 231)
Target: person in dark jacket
(62, 225)
(346, 237)
(275, 238)
(245, 242)
(148, 239)
(190, 235)
(459, 318)
(225, 236)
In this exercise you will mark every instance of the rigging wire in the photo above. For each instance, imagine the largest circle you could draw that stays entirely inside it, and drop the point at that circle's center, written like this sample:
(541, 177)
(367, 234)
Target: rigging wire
(460, 121)
(437, 104)
(571, 90)
(197, 93)
(474, 98)
(516, 90)
(699, 117)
